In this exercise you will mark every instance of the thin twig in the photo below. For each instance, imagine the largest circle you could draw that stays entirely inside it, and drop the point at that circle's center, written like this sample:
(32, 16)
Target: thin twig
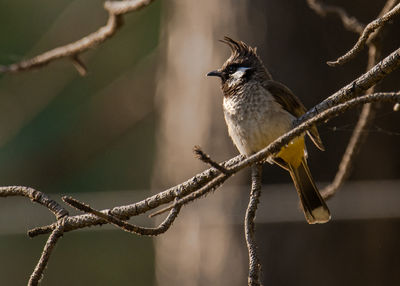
(366, 116)
(79, 65)
(349, 22)
(357, 86)
(348, 157)
(35, 196)
(211, 186)
(369, 29)
(46, 253)
(115, 9)
(206, 159)
(249, 226)
(386, 8)
(163, 227)
(356, 139)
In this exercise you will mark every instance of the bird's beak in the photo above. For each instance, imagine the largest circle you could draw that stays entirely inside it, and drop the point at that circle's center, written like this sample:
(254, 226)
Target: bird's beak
(214, 73)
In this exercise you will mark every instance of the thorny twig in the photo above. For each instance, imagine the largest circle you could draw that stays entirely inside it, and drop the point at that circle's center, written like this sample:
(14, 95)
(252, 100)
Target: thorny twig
(115, 9)
(249, 226)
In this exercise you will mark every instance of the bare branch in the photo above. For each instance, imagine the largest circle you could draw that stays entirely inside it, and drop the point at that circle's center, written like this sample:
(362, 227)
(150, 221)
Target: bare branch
(163, 227)
(203, 183)
(386, 8)
(126, 6)
(335, 111)
(56, 232)
(150, 203)
(211, 186)
(206, 159)
(349, 22)
(35, 196)
(369, 29)
(348, 156)
(366, 117)
(249, 226)
(361, 84)
(358, 86)
(153, 202)
(115, 9)
(47, 250)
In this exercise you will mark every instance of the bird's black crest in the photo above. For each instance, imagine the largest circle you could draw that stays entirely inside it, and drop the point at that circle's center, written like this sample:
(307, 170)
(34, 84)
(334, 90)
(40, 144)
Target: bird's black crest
(239, 48)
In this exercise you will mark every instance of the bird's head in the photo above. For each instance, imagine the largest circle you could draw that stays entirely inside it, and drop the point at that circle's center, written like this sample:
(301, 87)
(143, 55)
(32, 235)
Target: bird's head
(241, 67)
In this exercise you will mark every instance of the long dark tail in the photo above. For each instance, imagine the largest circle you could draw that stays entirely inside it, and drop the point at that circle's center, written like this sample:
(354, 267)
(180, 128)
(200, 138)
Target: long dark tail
(314, 206)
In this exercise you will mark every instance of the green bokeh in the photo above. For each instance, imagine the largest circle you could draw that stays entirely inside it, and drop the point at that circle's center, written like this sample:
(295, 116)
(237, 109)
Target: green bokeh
(80, 258)
(34, 155)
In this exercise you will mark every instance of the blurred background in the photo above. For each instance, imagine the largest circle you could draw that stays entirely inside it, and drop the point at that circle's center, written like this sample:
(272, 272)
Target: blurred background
(127, 129)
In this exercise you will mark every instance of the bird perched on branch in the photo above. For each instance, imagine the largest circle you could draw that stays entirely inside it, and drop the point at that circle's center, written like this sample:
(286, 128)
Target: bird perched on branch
(257, 111)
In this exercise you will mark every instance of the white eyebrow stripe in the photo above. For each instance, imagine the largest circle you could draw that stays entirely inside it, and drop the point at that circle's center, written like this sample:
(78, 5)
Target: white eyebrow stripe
(240, 72)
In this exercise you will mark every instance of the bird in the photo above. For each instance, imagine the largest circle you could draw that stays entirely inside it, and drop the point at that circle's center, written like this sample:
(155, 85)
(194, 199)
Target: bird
(258, 110)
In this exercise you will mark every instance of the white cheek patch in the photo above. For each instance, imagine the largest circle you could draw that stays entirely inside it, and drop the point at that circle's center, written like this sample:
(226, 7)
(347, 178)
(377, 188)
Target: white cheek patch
(236, 77)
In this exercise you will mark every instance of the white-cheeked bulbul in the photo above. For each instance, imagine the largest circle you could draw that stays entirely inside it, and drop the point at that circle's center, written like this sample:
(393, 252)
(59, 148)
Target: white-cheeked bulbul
(257, 111)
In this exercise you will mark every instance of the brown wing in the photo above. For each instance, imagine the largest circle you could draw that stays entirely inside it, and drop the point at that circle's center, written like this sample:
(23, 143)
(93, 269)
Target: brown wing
(292, 104)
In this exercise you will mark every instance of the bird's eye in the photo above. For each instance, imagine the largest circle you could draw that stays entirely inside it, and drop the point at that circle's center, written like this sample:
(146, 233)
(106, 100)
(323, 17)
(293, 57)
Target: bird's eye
(231, 69)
